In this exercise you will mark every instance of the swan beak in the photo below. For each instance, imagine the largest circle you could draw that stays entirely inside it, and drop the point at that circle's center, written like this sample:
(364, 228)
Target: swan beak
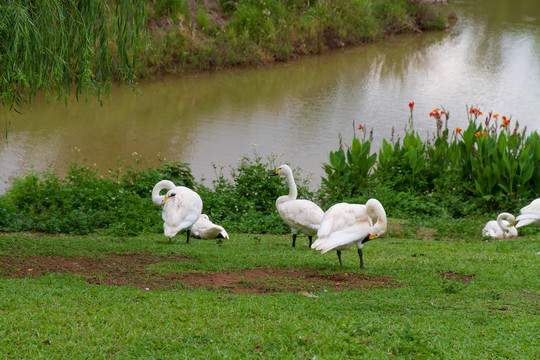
(274, 173)
(371, 237)
(166, 198)
(512, 224)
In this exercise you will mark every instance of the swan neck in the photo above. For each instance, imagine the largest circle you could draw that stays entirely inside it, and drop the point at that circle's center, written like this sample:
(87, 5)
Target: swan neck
(157, 199)
(502, 217)
(293, 193)
(376, 210)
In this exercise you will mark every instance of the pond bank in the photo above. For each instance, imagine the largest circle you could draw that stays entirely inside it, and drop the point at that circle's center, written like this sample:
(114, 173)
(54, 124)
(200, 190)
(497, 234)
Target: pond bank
(214, 34)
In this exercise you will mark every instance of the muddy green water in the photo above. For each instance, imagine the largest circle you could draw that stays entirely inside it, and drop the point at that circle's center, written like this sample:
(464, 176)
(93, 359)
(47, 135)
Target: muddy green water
(297, 111)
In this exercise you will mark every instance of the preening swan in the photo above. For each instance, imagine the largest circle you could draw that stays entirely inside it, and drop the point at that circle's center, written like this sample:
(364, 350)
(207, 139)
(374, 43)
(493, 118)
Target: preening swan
(529, 214)
(203, 228)
(301, 215)
(181, 207)
(344, 225)
(501, 228)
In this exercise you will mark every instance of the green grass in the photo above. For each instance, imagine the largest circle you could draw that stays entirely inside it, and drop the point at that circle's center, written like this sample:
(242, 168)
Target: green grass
(418, 314)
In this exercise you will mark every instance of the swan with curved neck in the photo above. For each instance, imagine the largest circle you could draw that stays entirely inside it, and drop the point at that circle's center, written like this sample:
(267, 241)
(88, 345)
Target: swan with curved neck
(345, 225)
(501, 228)
(181, 207)
(301, 215)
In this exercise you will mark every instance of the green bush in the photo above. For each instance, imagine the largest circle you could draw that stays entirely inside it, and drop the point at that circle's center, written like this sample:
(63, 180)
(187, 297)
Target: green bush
(84, 201)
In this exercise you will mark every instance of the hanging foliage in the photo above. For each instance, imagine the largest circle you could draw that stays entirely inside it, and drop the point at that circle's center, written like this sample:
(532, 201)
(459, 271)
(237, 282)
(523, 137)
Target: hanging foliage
(60, 47)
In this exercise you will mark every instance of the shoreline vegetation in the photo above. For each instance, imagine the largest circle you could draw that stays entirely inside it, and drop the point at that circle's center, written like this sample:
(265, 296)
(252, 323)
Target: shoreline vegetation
(57, 48)
(189, 36)
(454, 181)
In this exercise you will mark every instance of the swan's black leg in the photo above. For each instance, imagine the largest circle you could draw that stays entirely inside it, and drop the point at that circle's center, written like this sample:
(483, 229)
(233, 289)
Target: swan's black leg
(361, 258)
(293, 240)
(188, 233)
(339, 257)
(310, 238)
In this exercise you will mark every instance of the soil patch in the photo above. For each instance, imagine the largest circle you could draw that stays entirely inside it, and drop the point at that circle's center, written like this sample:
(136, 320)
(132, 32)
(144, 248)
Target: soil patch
(132, 270)
(464, 279)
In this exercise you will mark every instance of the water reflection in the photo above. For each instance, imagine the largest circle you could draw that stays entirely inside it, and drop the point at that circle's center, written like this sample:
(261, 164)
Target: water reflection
(491, 58)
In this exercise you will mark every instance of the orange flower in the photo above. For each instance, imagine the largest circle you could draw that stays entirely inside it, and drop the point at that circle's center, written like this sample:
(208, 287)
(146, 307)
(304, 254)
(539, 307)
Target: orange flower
(496, 116)
(458, 130)
(411, 105)
(477, 134)
(435, 114)
(484, 133)
(506, 121)
(360, 127)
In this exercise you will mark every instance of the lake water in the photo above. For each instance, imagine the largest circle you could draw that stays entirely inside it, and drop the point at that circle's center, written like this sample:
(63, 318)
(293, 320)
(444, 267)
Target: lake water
(298, 110)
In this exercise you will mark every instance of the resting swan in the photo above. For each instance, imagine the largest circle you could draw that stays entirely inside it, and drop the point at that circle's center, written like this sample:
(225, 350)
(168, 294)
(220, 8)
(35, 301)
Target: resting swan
(344, 225)
(529, 214)
(301, 215)
(501, 228)
(181, 207)
(203, 228)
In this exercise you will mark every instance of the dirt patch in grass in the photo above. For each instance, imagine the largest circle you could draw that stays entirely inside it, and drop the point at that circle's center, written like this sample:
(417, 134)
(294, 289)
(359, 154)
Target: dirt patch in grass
(131, 270)
(464, 279)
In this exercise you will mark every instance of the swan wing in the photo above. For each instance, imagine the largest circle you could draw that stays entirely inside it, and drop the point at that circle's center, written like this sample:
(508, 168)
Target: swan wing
(342, 226)
(302, 215)
(492, 229)
(512, 232)
(527, 219)
(532, 208)
(182, 211)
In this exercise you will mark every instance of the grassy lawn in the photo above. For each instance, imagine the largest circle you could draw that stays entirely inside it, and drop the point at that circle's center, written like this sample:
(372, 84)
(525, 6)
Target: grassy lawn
(254, 296)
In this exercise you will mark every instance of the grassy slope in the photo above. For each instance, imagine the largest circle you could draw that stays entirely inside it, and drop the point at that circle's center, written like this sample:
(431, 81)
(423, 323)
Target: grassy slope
(496, 315)
(186, 36)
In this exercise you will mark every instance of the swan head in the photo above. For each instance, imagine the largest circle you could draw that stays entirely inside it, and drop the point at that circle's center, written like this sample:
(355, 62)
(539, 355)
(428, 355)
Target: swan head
(282, 170)
(170, 194)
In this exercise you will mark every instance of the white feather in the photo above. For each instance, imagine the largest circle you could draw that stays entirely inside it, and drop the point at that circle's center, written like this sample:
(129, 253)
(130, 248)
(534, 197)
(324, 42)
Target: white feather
(203, 228)
(530, 214)
(300, 215)
(181, 206)
(501, 228)
(344, 225)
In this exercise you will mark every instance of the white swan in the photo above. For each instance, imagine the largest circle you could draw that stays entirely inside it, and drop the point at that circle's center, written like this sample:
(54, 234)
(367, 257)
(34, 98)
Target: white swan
(529, 214)
(344, 225)
(181, 207)
(501, 228)
(301, 215)
(203, 228)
